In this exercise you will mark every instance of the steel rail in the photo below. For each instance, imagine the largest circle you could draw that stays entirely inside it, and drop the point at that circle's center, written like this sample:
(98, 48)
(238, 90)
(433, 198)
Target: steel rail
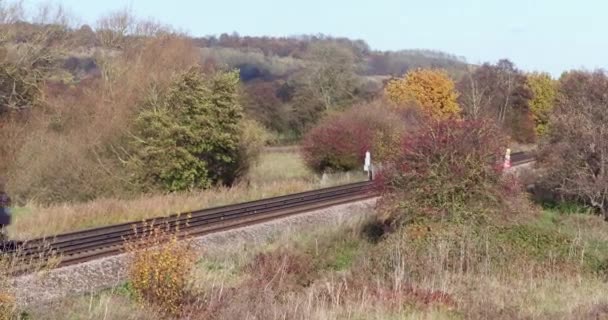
(90, 244)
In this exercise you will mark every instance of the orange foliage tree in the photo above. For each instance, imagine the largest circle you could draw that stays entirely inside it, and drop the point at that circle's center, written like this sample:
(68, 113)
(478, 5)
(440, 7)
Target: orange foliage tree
(432, 90)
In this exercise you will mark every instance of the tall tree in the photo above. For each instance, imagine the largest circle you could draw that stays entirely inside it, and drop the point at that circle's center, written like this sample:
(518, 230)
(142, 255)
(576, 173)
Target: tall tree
(331, 78)
(499, 92)
(576, 148)
(544, 93)
(264, 105)
(329, 83)
(432, 90)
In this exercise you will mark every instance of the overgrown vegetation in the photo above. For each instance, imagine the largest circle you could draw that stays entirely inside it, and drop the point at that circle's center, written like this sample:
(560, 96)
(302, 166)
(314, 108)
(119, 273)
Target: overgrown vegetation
(160, 270)
(340, 141)
(437, 270)
(445, 170)
(499, 92)
(574, 153)
(78, 97)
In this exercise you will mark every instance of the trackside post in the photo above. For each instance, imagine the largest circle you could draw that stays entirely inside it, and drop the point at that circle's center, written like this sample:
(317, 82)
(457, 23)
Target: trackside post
(367, 166)
(507, 164)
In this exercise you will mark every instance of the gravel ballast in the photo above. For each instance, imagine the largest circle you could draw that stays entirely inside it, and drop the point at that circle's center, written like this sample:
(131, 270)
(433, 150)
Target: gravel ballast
(111, 271)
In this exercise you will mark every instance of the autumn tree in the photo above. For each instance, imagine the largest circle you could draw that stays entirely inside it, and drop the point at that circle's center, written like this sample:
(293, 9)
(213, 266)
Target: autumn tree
(331, 78)
(19, 87)
(432, 90)
(113, 28)
(544, 94)
(29, 52)
(575, 151)
(328, 83)
(263, 104)
(498, 92)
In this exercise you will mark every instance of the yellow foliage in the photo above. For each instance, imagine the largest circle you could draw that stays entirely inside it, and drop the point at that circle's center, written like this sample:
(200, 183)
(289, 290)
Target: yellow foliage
(544, 89)
(160, 268)
(432, 90)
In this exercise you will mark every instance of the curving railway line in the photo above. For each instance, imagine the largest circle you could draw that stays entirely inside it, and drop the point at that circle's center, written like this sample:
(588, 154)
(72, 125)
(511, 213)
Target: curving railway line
(86, 245)
(81, 246)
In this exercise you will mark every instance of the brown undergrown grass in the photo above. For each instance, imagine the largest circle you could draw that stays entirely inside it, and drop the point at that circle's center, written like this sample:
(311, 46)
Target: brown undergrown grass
(331, 273)
(314, 276)
(113, 304)
(287, 177)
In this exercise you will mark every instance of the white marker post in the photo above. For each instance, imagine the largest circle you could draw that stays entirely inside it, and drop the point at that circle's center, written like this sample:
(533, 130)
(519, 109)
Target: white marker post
(367, 167)
(507, 164)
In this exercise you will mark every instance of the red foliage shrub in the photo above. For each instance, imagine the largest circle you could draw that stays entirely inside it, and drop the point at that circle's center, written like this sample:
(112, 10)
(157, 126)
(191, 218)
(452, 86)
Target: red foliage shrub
(445, 165)
(340, 141)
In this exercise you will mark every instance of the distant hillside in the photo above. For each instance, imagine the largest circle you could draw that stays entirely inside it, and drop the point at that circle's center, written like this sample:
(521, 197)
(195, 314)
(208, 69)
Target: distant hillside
(272, 57)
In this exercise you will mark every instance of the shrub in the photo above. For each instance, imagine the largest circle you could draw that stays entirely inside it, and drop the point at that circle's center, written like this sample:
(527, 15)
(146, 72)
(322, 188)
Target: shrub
(190, 138)
(444, 166)
(340, 141)
(281, 270)
(254, 138)
(160, 268)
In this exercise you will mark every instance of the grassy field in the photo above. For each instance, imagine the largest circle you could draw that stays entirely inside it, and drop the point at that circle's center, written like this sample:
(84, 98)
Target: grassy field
(275, 174)
(331, 274)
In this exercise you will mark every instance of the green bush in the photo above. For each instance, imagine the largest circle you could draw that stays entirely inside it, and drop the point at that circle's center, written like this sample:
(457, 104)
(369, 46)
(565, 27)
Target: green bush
(190, 137)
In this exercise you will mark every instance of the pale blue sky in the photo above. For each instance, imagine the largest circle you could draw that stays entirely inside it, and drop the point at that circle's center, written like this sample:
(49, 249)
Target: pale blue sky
(549, 35)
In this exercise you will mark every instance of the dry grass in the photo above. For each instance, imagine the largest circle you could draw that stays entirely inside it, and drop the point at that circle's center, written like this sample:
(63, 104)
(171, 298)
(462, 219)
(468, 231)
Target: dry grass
(278, 166)
(322, 275)
(276, 174)
(15, 262)
(114, 304)
(539, 266)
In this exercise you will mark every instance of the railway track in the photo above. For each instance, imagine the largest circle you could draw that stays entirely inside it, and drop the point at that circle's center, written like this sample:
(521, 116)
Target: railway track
(91, 244)
(86, 245)
(519, 158)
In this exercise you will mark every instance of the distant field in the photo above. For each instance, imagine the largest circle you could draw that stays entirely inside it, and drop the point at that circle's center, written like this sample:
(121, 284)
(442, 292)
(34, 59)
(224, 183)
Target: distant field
(280, 164)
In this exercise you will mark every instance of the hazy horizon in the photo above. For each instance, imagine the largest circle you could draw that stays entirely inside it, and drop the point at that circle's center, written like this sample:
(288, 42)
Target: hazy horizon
(551, 36)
